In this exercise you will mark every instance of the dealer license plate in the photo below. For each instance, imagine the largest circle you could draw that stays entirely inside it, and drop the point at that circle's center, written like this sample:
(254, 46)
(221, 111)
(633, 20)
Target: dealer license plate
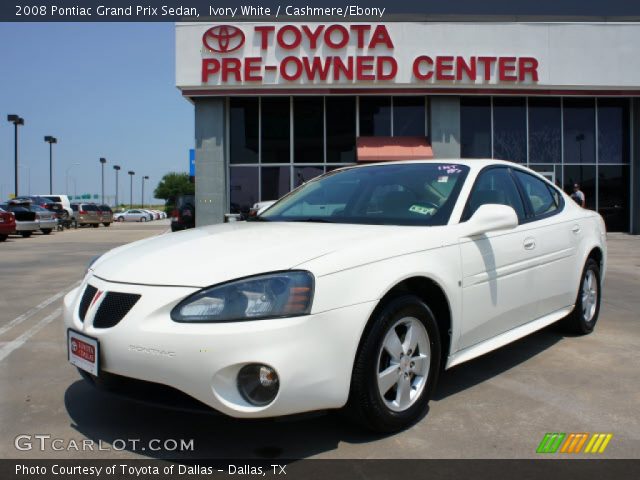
(83, 351)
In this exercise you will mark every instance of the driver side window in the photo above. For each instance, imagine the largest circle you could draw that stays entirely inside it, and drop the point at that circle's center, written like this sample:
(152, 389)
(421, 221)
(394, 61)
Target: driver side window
(494, 186)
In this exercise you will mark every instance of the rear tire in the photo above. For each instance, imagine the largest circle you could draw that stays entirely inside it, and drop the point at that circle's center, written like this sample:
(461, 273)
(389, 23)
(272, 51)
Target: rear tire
(95, 225)
(399, 356)
(25, 234)
(582, 320)
(3, 237)
(46, 231)
(106, 224)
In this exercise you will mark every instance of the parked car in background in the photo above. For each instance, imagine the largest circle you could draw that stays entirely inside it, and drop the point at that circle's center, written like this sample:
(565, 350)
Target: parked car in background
(184, 213)
(64, 201)
(106, 215)
(86, 214)
(46, 219)
(260, 207)
(26, 222)
(7, 224)
(149, 213)
(133, 215)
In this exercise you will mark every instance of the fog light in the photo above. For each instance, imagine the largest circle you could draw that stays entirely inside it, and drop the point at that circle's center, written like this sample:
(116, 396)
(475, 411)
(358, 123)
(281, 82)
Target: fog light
(258, 384)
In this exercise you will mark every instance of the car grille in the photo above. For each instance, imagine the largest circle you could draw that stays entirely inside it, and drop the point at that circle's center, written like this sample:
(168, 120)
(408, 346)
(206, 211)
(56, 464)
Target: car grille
(113, 308)
(87, 296)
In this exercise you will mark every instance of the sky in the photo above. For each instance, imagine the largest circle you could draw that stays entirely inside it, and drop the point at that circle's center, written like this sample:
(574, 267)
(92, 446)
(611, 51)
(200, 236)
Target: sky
(103, 90)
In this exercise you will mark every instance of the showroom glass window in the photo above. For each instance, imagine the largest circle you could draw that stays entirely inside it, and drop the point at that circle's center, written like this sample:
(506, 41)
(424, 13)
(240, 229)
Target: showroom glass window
(510, 129)
(276, 128)
(409, 117)
(585, 176)
(275, 182)
(545, 130)
(613, 196)
(341, 129)
(613, 130)
(243, 130)
(375, 116)
(475, 127)
(308, 130)
(243, 186)
(579, 130)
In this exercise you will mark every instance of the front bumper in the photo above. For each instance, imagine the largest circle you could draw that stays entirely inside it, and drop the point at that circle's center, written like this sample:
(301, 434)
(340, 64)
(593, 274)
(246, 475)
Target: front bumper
(313, 355)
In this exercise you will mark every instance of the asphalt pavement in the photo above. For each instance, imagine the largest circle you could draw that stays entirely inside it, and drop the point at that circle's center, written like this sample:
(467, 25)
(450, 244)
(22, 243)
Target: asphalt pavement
(498, 406)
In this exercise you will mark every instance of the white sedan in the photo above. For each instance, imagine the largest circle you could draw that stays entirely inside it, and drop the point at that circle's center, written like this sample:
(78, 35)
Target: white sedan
(351, 292)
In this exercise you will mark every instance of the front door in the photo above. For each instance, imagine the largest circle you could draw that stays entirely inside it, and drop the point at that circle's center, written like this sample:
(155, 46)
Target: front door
(498, 290)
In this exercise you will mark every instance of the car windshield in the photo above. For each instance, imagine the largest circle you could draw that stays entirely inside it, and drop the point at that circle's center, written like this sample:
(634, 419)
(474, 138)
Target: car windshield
(389, 194)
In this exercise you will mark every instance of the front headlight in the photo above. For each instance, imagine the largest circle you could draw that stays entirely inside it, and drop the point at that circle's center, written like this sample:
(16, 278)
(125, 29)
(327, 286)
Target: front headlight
(273, 295)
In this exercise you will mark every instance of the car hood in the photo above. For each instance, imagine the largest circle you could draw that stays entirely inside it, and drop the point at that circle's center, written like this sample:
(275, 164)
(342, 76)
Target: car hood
(208, 255)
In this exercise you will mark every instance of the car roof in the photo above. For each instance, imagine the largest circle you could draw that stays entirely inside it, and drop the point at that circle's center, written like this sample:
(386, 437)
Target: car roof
(472, 163)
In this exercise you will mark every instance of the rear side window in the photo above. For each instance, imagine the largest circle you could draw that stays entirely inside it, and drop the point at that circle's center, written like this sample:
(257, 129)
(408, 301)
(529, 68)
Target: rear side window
(90, 208)
(494, 186)
(537, 192)
(74, 207)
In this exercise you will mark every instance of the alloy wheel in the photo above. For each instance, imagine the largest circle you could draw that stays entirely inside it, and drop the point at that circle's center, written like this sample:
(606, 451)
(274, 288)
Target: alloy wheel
(403, 364)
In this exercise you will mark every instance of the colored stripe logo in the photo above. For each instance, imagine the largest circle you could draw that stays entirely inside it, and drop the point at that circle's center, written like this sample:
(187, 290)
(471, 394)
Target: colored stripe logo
(574, 442)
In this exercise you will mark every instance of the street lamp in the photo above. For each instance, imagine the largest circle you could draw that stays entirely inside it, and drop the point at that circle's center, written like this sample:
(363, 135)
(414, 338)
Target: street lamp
(66, 177)
(102, 162)
(16, 120)
(50, 140)
(146, 177)
(117, 169)
(131, 174)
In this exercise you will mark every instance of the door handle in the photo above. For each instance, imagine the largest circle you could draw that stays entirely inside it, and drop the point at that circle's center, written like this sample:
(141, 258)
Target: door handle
(576, 229)
(529, 243)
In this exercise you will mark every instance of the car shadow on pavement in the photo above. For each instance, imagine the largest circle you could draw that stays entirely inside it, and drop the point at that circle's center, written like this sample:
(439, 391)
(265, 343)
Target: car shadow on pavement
(104, 417)
(100, 416)
(494, 363)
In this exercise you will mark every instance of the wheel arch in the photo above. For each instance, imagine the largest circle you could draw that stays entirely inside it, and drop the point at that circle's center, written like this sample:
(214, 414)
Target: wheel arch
(431, 293)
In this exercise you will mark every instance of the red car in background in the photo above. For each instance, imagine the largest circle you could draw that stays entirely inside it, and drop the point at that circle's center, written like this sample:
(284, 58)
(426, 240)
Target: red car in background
(7, 224)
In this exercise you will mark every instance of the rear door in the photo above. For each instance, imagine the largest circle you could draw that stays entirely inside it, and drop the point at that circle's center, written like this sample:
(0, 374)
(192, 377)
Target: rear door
(498, 284)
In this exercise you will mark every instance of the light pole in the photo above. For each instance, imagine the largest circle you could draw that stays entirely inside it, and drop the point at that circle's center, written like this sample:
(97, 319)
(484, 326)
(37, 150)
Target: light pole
(146, 177)
(117, 169)
(16, 120)
(102, 162)
(50, 140)
(131, 174)
(66, 177)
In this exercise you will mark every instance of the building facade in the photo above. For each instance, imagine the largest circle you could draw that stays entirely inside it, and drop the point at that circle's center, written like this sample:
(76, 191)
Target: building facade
(278, 104)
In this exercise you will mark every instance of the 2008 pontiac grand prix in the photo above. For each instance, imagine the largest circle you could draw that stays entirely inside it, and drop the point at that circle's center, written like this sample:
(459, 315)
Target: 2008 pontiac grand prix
(353, 291)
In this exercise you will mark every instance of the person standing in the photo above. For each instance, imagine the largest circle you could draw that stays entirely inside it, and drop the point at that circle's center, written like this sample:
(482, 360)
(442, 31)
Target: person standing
(578, 196)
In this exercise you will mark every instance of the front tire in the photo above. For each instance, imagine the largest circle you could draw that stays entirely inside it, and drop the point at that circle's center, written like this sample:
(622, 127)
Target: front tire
(3, 237)
(106, 224)
(142, 219)
(25, 234)
(396, 366)
(585, 314)
(46, 231)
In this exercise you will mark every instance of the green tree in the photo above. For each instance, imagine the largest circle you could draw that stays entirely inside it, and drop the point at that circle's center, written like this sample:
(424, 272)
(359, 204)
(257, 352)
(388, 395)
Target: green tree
(172, 185)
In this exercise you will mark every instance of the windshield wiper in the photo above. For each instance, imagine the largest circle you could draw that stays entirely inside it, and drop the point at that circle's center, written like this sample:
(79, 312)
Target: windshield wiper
(257, 219)
(312, 220)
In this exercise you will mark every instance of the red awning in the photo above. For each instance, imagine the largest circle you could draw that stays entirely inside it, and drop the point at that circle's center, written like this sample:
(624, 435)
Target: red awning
(384, 149)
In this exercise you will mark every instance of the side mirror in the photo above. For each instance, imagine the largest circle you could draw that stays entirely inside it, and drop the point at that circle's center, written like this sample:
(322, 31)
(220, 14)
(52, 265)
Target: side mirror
(490, 218)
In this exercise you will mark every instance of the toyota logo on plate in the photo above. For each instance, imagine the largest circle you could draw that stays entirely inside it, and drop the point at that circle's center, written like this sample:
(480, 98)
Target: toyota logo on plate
(223, 38)
(74, 346)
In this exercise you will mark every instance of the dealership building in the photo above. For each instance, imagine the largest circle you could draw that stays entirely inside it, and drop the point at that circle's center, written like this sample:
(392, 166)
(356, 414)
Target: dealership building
(277, 104)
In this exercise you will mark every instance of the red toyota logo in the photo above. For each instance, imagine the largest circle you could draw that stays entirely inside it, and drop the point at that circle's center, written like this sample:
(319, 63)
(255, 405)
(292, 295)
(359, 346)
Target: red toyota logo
(223, 38)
